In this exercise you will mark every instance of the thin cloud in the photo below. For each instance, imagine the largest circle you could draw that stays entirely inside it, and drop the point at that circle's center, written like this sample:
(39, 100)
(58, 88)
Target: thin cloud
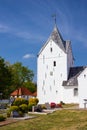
(27, 56)
(26, 35)
(4, 28)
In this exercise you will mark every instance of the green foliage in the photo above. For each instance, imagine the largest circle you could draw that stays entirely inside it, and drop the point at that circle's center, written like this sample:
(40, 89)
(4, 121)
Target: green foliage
(30, 107)
(21, 74)
(14, 108)
(21, 113)
(5, 78)
(23, 108)
(31, 86)
(13, 76)
(8, 113)
(20, 105)
(33, 101)
(2, 118)
(20, 101)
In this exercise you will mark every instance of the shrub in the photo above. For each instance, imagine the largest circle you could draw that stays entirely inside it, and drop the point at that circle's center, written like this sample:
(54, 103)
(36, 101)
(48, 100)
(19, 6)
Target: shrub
(61, 102)
(8, 113)
(14, 108)
(33, 101)
(20, 101)
(2, 118)
(23, 108)
(21, 113)
(30, 107)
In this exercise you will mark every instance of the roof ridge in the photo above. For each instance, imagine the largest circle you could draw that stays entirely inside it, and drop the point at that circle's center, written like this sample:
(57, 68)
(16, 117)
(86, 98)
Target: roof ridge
(57, 38)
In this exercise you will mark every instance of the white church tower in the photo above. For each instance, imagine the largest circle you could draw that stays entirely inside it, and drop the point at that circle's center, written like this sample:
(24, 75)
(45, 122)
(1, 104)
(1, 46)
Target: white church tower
(53, 65)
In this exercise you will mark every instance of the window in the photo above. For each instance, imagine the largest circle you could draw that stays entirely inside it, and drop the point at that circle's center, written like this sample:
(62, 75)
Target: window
(75, 91)
(47, 66)
(54, 63)
(45, 75)
(84, 76)
(54, 82)
(43, 82)
(51, 73)
(51, 49)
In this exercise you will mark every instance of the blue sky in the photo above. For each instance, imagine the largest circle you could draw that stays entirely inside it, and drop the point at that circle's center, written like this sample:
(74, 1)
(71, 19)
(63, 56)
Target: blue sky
(25, 26)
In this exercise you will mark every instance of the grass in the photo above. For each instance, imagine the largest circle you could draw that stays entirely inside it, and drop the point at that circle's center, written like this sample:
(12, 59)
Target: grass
(59, 120)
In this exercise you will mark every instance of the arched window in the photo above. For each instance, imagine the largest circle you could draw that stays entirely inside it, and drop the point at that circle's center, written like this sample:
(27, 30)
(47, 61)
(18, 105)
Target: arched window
(54, 63)
(51, 49)
(75, 91)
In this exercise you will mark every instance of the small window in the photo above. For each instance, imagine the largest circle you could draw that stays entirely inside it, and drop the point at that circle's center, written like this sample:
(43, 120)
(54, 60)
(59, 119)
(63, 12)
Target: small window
(51, 49)
(84, 75)
(47, 66)
(61, 74)
(75, 91)
(54, 82)
(43, 82)
(45, 75)
(51, 73)
(54, 63)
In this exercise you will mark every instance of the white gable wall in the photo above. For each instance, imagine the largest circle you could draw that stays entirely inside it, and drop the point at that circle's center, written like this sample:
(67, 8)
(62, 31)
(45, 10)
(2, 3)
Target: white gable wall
(82, 84)
(69, 95)
(50, 77)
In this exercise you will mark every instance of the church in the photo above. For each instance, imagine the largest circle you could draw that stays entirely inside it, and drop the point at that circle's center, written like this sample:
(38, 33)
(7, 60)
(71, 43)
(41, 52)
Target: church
(57, 77)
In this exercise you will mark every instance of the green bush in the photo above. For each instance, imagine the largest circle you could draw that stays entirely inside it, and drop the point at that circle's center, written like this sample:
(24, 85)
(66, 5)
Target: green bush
(23, 108)
(20, 101)
(2, 118)
(21, 113)
(30, 107)
(14, 108)
(8, 113)
(33, 101)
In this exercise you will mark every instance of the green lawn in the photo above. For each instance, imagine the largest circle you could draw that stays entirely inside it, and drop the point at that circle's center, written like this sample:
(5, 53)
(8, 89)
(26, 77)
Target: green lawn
(59, 120)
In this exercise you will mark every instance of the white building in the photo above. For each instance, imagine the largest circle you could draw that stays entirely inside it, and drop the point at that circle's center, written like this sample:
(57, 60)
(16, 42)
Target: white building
(57, 78)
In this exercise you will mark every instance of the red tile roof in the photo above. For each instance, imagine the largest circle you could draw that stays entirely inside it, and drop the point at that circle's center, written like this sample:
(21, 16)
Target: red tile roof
(34, 94)
(21, 91)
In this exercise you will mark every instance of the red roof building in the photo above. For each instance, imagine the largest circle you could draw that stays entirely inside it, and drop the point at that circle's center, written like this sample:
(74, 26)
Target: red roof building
(22, 91)
(34, 94)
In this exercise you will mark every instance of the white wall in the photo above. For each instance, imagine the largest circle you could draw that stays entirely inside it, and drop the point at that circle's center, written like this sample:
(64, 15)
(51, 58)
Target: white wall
(68, 95)
(50, 77)
(82, 84)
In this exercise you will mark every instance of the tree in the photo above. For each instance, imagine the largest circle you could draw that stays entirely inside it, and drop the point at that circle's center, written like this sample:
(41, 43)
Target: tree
(21, 74)
(31, 86)
(5, 78)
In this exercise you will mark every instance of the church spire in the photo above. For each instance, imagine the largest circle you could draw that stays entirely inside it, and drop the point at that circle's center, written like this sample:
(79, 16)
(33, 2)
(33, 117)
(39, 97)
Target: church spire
(54, 16)
(56, 36)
